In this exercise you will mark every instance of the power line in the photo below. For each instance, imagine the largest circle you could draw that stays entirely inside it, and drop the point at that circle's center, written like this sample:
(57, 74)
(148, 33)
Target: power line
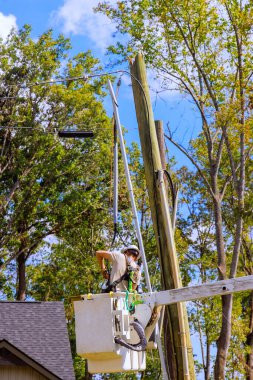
(69, 79)
(55, 130)
(66, 79)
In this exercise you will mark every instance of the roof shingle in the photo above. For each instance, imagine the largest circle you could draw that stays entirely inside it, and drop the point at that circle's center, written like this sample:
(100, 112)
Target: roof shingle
(39, 330)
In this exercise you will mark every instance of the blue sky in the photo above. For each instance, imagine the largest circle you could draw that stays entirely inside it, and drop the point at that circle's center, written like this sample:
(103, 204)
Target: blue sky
(76, 19)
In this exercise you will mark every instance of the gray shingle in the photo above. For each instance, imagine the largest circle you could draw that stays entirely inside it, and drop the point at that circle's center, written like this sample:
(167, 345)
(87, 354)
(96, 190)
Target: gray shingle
(39, 330)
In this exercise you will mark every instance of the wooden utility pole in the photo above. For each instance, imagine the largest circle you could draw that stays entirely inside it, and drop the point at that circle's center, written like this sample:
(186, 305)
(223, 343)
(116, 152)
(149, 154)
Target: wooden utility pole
(162, 149)
(161, 141)
(179, 355)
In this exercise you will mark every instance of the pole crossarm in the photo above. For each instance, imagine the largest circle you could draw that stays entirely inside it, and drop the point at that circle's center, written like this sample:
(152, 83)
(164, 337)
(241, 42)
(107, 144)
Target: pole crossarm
(191, 293)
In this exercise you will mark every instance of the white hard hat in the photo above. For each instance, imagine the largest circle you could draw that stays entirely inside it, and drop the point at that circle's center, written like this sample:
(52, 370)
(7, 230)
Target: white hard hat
(132, 247)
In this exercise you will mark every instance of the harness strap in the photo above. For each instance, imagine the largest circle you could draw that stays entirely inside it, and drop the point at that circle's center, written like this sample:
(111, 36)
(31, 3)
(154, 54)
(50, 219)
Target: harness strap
(113, 285)
(125, 276)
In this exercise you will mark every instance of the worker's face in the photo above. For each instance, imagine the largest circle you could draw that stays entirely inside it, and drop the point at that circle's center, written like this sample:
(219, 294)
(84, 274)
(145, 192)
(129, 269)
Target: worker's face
(133, 254)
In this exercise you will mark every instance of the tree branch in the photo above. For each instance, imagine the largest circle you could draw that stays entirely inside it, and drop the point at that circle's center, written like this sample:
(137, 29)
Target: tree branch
(184, 151)
(203, 74)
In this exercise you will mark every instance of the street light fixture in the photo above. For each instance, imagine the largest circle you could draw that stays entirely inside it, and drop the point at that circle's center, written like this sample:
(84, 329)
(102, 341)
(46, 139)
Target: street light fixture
(73, 134)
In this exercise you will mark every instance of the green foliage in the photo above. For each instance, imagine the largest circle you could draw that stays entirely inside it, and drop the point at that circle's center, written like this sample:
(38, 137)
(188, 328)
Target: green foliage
(54, 193)
(44, 179)
(79, 365)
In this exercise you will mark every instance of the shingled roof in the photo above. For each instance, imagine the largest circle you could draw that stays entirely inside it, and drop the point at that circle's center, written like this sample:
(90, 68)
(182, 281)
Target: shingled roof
(38, 330)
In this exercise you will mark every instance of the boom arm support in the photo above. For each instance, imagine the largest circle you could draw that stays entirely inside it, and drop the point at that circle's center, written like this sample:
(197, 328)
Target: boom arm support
(191, 293)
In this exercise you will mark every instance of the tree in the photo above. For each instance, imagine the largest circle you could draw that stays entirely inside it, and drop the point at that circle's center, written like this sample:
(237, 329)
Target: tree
(44, 179)
(204, 50)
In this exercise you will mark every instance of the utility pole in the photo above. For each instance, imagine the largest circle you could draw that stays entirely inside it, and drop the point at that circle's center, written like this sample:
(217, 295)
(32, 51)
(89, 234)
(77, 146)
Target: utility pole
(161, 141)
(179, 355)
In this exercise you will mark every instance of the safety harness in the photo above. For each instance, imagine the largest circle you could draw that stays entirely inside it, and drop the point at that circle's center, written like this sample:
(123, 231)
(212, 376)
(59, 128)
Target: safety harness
(127, 276)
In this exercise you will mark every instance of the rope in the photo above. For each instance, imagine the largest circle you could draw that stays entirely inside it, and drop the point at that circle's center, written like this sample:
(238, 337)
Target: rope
(129, 307)
(135, 302)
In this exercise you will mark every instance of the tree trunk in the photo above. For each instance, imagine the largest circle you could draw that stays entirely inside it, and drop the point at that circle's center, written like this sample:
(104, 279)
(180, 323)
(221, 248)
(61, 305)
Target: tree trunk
(21, 277)
(224, 338)
(249, 342)
(219, 234)
(208, 361)
(227, 300)
(205, 361)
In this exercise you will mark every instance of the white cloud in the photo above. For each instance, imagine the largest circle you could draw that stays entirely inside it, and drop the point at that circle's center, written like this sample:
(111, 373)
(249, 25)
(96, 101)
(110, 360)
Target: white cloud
(6, 24)
(78, 17)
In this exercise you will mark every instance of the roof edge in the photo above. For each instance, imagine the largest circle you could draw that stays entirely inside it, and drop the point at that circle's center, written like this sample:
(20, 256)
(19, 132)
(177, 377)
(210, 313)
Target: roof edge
(28, 360)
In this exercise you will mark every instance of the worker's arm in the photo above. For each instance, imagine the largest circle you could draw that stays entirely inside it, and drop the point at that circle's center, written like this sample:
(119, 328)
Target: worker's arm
(101, 256)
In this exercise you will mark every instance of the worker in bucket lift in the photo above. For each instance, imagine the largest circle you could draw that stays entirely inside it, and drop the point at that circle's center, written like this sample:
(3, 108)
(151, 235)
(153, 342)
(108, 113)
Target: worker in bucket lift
(125, 272)
(125, 275)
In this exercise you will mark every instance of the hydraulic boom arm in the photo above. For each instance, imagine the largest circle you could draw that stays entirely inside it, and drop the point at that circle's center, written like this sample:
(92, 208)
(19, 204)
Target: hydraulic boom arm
(191, 293)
